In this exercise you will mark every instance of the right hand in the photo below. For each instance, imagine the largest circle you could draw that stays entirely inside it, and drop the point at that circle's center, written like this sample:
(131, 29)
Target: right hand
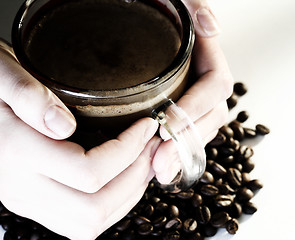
(55, 182)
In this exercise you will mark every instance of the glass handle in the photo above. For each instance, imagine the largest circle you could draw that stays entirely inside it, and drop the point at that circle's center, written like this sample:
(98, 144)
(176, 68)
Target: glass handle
(188, 142)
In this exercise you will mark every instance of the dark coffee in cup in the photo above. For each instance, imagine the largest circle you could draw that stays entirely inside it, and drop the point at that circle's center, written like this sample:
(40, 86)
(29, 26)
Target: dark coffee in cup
(101, 44)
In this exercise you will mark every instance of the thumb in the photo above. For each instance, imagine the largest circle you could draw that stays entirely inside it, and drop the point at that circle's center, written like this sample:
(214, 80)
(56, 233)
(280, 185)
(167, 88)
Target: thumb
(31, 101)
(204, 20)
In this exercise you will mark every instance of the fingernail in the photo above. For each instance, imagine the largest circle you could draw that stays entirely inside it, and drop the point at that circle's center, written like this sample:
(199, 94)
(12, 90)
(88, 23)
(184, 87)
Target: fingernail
(151, 130)
(207, 22)
(59, 121)
(164, 134)
(169, 174)
(172, 172)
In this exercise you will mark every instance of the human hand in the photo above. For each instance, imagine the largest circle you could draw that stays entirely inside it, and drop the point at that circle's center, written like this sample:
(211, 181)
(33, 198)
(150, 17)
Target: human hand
(55, 182)
(205, 101)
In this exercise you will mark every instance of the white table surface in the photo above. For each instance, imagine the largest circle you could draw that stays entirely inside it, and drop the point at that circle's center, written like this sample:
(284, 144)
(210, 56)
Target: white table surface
(258, 39)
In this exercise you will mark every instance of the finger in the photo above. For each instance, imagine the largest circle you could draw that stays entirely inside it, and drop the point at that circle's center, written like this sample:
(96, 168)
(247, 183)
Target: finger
(213, 120)
(166, 160)
(215, 82)
(89, 171)
(214, 85)
(124, 185)
(33, 102)
(204, 20)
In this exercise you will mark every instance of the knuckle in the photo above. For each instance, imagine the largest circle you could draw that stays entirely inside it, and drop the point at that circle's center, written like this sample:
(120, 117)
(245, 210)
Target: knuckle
(90, 182)
(22, 90)
(128, 134)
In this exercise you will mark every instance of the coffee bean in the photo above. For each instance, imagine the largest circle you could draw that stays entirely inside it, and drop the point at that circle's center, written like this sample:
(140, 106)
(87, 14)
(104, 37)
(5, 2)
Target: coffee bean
(211, 153)
(226, 151)
(218, 140)
(145, 229)
(238, 166)
(35, 236)
(123, 225)
(235, 210)
(155, 199)
(239, 132)
(254, 185)
(21, 231)
(262, 129)
(173, 211)
(197, 200)
(234, 123)
(209, 190)
(161, 207)
(218, 182)
(207, 177)
(5, 213)
(218, 169)
(223, 200)
(156, 233)
(234, 177)
(244, 194)
(227, 160)
(129, 234)
(148, 210)
(9, 235)
(172, 235)
(249, 133)
(227, 131)
(232, 226)
(248, 165)
(195, 236)
(174, 223)
(203, 214)
(232, 101)
(233, 143)
(159, 221)
(242, 116)
(219, 219)
(185, 195)
(190, 225)
(132, 214)
(209, 230)
(141, 220)
(245, 152)
(249, 208)
(225, 189)
(246, 178)
(240, 88)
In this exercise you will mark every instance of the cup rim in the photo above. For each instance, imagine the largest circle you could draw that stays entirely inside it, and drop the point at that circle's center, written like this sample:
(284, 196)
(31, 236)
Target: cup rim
(183, 54)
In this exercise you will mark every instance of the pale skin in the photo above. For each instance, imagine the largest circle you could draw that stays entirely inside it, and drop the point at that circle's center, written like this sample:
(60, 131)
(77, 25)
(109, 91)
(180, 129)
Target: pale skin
(75, 192)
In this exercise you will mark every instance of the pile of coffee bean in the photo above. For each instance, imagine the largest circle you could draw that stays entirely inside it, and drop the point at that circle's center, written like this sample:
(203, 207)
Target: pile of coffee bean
(218, 200)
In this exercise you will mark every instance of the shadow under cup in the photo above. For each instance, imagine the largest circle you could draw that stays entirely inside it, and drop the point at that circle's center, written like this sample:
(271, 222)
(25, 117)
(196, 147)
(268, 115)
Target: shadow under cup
(103, 104)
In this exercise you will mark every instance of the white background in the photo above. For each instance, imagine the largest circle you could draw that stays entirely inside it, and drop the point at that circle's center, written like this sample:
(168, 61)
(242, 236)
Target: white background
(258, 38)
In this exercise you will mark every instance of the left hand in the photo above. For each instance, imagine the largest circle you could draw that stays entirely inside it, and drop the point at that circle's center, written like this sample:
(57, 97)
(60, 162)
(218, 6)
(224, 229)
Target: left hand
(205, 101)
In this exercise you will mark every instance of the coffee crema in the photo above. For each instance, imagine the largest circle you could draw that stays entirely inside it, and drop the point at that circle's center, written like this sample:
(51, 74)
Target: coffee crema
(102, 44)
